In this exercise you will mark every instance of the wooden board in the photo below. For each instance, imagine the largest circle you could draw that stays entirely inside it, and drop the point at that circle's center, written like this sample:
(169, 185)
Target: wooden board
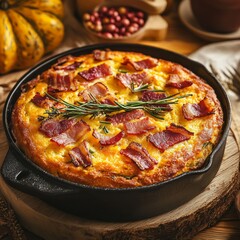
(183, 222)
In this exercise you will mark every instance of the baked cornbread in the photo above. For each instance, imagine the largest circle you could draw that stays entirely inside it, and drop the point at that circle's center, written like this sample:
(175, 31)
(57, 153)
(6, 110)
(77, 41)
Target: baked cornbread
(117, 119)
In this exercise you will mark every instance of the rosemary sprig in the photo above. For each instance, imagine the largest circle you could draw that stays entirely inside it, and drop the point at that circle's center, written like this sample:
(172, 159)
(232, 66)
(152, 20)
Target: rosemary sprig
(94, 108)
(140, 88)
(143, 87)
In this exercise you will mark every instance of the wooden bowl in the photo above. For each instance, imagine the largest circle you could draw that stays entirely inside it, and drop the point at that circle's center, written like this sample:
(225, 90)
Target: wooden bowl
(155, 26)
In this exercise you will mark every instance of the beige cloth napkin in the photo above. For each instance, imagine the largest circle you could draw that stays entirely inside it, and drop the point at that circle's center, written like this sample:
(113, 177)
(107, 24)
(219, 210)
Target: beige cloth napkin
(218, 58)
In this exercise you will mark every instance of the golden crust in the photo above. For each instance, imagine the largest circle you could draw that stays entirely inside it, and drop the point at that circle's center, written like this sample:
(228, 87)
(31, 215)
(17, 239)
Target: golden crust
(109, 167)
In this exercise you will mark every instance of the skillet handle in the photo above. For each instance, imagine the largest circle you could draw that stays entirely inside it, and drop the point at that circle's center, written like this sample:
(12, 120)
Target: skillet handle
(25, 178)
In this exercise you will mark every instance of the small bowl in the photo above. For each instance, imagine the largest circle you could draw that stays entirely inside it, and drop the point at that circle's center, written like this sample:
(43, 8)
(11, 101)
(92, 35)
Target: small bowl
(154, 27)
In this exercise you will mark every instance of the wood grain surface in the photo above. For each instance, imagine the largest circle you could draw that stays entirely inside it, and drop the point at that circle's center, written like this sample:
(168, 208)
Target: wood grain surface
(222, 222)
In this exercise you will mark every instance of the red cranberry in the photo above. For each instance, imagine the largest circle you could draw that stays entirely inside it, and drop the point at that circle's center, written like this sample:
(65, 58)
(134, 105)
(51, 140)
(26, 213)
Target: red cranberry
(92, 18)
(95, 14)
(130, 15)
(107, 35)
(132, 29)
(135, 20)
(122, 30)
(141, 22)
(104, 9)
(118, 18)
(110, 28)
(116, 35)
(111, 12)
(125, 22)
(140, 14)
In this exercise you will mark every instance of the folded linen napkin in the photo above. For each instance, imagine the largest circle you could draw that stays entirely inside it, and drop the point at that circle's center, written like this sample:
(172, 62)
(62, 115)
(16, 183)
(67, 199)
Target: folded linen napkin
(219, 58)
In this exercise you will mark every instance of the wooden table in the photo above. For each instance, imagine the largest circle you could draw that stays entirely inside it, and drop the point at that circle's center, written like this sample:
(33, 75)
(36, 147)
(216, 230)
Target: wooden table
(180, 40)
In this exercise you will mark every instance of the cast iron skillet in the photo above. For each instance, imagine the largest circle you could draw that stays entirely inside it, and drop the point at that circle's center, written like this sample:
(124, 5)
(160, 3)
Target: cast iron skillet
(103, 203)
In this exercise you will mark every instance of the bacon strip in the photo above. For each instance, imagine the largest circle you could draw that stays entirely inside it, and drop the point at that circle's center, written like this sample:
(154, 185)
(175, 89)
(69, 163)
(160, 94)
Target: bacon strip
(172, 135)
(73, 134)
(39, 100)
(175, 81)
(138, 127)
(80, 155)
(63, 60)
(139, 155)
(125, 116)
(101, 55)
(52, 127)
(97, 90)
(69, 67)
(97, 72)
(60, 81)
(149, 96)
(108, 140)
(195, 110)
(142, 64)
(127, 79)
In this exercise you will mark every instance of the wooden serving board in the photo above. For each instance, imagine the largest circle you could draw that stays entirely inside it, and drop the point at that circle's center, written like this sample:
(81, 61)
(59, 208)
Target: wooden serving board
(181, 223)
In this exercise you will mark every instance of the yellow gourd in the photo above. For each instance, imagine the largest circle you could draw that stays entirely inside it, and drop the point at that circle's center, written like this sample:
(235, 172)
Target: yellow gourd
(28, 30)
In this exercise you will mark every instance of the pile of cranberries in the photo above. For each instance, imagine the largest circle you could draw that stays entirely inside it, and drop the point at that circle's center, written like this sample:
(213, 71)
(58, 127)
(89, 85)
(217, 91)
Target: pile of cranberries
(114, 22)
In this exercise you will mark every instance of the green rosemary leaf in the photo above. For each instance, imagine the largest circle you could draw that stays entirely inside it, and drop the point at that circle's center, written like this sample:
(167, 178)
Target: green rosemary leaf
(94, 108)
(105, 122)
(91, 151)
(140, 88)
(122, 70)
(105, 130)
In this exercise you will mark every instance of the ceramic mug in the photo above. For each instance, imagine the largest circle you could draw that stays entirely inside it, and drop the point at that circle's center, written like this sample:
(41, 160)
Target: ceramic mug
(221, 16)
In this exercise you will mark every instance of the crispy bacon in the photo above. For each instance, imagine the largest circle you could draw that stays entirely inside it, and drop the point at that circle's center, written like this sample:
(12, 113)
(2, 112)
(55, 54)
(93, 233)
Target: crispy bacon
(139, 155)
(149, 96)
(138, 127)
(195, 110)
(97, 72)
(125, 116)
(60, 63)
(172, 135)
(127, 79)
(63, 60)
(110, 100)
(69, 67)
(60, 81)
(52, 127)
(39, 100)
(108, 140)
(175, 81)
(101, 55)
(142, 64)
(73, 134)
(97, 90)
(80, 155)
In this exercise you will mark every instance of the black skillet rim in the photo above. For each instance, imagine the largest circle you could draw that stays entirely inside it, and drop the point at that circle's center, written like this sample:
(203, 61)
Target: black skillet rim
(168, 55)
